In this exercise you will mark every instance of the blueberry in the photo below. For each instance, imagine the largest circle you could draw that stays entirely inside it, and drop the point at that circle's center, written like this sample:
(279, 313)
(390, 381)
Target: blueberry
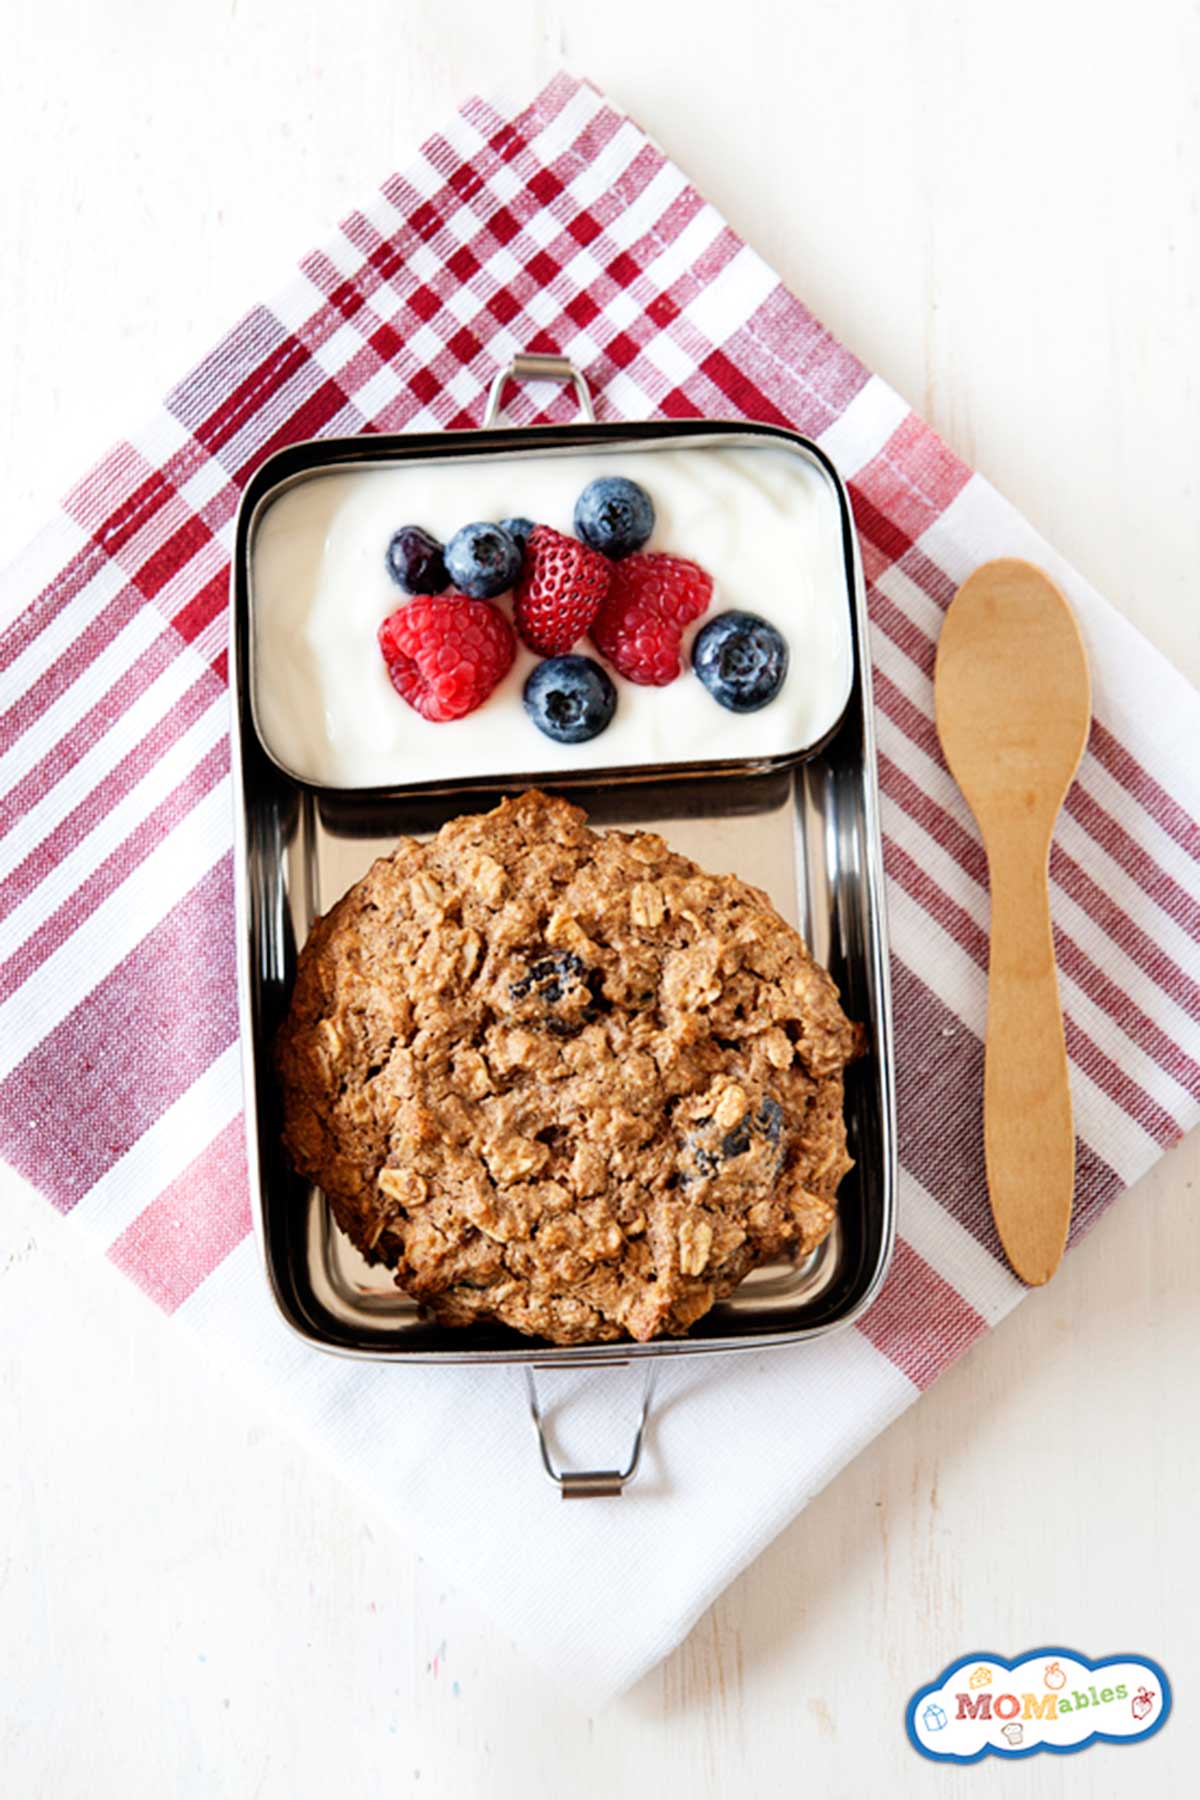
(705, 1161)
(767, 1122)
(615, 515)
(560, 991)
(709, 1153)
(769, 1119)
(736, 1142)
(483, 560)
(415, 561)
(550, 977)
(741, 659)
(518, 530)
(570, 698)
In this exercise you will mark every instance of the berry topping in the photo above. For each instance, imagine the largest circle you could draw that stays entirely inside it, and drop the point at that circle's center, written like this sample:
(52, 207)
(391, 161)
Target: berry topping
(570, 698)
(518, 530)
(650, 600)
(559, 594)
(445, 656)
(614, 515)
(741, 659)
(483, 560)
(415, 561)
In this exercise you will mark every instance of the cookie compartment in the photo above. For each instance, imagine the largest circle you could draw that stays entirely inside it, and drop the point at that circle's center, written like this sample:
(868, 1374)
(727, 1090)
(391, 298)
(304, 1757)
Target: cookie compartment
(803, 828)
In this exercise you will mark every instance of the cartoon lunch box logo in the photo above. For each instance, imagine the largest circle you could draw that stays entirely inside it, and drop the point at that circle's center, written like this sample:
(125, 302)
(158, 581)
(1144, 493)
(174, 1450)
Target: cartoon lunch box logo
(1049, 1699)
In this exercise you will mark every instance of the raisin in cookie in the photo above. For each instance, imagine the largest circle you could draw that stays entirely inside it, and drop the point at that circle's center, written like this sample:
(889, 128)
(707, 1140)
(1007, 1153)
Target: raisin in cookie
(565, 1079)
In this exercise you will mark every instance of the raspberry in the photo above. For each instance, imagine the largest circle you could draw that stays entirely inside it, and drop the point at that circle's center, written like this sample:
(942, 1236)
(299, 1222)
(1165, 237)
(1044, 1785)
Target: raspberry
(445, 655)
(639, 626)
(560, 590)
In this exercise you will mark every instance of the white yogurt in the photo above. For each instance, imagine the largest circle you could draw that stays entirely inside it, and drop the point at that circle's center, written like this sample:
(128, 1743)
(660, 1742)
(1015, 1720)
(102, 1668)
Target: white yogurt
(763, 522)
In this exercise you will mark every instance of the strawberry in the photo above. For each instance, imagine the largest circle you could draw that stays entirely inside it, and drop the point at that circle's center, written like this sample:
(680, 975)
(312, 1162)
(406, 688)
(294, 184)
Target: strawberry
(639, 627)
(561, 587)
(445, 655)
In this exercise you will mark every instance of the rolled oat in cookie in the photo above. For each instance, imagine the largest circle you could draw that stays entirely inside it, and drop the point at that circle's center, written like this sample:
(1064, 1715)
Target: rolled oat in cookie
(562, 1079)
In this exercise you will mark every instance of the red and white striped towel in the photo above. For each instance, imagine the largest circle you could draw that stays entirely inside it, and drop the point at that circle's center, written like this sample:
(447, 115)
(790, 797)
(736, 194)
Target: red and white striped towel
(556, 226)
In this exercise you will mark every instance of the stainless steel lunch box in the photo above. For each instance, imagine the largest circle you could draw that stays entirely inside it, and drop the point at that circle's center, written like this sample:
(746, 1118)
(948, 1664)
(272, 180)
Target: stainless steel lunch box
(805, 829)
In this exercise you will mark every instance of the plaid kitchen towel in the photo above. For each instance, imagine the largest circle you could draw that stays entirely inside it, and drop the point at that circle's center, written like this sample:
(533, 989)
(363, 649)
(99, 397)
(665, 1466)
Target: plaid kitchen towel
(557, 225)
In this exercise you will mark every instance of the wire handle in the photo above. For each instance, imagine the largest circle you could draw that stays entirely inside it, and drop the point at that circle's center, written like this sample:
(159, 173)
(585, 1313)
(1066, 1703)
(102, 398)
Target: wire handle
(591, 1484)
(528, 366)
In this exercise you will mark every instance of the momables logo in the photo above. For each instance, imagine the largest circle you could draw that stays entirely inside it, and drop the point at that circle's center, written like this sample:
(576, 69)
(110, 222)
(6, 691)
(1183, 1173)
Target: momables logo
(1051, 1699)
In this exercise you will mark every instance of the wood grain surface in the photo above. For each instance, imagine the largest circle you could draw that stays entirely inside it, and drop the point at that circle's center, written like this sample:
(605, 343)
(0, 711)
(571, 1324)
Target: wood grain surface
(995, 207)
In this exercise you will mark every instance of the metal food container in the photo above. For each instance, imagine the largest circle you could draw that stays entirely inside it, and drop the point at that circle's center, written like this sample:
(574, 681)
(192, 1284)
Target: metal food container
(804, 827)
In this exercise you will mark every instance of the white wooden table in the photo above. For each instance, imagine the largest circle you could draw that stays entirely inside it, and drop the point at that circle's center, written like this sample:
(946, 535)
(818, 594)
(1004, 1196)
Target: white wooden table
(995, 206)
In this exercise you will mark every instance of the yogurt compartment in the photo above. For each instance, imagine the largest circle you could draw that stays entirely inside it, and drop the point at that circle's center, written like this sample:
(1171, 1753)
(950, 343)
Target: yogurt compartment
(764, 521)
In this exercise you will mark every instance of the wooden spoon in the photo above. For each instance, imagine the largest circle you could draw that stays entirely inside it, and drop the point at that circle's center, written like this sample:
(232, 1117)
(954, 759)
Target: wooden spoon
(1014, 705)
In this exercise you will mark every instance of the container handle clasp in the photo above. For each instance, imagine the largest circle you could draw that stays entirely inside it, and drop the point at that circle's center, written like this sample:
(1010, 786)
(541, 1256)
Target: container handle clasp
(528, 366)
(591, 1484)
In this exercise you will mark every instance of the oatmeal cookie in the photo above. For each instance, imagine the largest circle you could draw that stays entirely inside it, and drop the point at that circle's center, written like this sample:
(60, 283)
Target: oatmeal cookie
(564, 1079)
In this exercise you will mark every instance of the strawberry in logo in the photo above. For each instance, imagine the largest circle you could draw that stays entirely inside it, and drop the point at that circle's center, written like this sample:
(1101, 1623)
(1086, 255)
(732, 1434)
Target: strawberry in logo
(561, 587)
(651, 599)
(1142, 1703)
